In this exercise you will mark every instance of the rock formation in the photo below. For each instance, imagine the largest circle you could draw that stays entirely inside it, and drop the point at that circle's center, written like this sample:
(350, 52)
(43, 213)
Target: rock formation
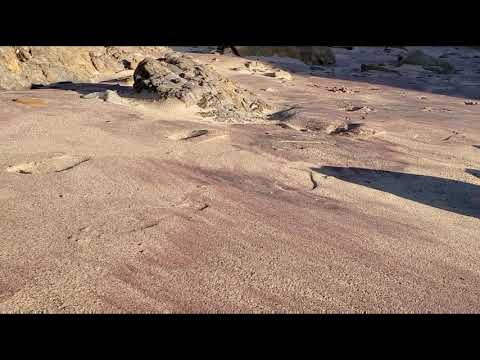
(177, 76)
(22, 66)
(310, 55)
(428, 62)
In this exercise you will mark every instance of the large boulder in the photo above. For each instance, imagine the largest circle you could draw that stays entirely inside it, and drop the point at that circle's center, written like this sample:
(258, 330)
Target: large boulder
(310, 55)
(22, 66)
(179, 77)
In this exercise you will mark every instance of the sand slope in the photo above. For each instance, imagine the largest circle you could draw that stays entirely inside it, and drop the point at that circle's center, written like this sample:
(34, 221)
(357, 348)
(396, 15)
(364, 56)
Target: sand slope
(113, 207)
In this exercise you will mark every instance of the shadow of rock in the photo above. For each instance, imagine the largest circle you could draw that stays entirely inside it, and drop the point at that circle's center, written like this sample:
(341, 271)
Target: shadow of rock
(88, 88)
(473, 172)
(451, 195)
(462, 84)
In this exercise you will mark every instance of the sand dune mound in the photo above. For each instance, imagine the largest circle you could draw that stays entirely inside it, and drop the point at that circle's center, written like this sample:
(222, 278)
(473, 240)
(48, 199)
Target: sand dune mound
(178, 76)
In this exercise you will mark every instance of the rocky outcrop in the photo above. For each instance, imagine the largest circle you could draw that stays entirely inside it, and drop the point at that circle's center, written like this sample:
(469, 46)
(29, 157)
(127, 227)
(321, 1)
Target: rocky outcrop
(310, 55)
(20, 67)
(177, 76)
(428, 62)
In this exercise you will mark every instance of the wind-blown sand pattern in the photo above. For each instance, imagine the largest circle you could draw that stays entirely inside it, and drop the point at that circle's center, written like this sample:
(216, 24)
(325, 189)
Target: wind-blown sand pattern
(349, 198)
(54, 164)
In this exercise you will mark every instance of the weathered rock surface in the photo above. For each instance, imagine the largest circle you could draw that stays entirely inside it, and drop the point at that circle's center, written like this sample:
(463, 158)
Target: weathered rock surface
(177, 76)
(311, 55)
(20, 67)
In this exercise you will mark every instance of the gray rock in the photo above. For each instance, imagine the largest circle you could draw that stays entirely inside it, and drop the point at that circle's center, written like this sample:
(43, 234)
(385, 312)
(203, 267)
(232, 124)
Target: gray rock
(177, 76)
(343, 127)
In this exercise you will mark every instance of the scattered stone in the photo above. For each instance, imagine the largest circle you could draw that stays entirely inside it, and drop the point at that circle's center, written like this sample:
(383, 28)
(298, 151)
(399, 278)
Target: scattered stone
(110, 96)
(340, 127)
(241, 70)
(341, 89)
(336, 128)
(353, 108)
(189, 134)
(280, 74)
(177, 76)
(284, 115)
(23, 54)
(257, 66)
(269, 90)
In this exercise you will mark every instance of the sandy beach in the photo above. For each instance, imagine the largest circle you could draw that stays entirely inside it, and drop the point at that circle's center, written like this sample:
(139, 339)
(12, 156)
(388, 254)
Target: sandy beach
(124, 206)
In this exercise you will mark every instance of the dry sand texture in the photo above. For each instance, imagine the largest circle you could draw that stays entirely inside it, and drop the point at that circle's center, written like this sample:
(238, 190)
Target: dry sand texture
(363, 196)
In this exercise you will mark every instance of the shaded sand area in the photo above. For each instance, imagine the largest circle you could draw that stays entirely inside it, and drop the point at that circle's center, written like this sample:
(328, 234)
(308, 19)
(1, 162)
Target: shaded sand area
(122, 206)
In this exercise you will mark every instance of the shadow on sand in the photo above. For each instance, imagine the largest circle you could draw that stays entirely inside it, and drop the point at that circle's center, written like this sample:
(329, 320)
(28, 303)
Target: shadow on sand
(473, 172)
(88, 88)
(451, 195)
(431, 84)
(425, 81)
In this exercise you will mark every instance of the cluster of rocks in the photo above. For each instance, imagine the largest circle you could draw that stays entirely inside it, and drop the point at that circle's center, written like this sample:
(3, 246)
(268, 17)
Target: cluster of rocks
(177, 76)
(428, 62)
(22, 66)
(310, 55)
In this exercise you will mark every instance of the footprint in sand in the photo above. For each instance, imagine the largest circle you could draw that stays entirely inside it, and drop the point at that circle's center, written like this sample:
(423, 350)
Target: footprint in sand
(50, 165)
(31, 101)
